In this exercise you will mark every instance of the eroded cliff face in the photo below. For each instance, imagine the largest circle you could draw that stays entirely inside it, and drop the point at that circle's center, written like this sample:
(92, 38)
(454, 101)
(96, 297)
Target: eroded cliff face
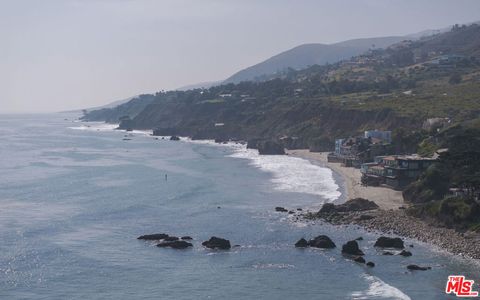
(313, 124)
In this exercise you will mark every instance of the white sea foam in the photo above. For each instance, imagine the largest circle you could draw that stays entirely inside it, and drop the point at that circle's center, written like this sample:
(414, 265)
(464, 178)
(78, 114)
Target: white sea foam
(95, 126)
(289, 174)
(378, 289)
(293, 174)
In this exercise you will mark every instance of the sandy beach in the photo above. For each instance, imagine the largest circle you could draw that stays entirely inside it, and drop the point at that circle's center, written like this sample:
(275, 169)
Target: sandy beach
(388, 218)
(385, 198)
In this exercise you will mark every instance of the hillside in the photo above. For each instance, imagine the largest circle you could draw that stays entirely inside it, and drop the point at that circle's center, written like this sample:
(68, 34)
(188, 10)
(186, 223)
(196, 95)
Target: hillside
(399, 87)
(306, 55)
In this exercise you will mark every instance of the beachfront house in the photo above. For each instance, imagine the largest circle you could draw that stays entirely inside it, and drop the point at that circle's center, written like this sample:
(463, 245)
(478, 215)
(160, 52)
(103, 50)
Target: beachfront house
(395, 171)
(354, 151)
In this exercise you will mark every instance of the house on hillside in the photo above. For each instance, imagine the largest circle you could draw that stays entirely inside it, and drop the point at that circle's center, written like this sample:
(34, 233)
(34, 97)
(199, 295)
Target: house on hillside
(395, 171)
(354, 151)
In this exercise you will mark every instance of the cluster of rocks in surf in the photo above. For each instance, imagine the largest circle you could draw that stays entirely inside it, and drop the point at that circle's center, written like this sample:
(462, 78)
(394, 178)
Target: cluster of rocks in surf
(167, 241)
(399, 222)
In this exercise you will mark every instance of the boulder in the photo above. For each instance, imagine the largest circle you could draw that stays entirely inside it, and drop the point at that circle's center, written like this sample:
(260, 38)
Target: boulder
(387, 242)
(302, 243)
(270, 148)
(359, 239)
(359, 259)
(322, 241)
(351, 248)
(387, 253)
(370, 264)
(417, 268)
(281, 209)
(174, 138)
(175, 244)
(405, 253)
(171, 239)
(187, 237)
(217, 243)
(153, 237)
(328, 208)
(357, 204)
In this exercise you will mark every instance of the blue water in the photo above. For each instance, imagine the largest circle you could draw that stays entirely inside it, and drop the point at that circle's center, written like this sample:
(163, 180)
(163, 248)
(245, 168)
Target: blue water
(74, 198)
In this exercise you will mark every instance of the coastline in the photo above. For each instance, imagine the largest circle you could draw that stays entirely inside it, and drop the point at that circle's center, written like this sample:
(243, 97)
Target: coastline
(385, 198)
(389, 219)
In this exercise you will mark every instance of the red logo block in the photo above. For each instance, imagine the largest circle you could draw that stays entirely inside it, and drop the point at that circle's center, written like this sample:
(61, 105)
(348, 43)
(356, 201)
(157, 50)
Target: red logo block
(460, 286)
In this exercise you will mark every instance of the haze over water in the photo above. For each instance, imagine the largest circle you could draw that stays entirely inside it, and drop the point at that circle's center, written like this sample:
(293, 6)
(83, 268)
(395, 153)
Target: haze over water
(74, 198)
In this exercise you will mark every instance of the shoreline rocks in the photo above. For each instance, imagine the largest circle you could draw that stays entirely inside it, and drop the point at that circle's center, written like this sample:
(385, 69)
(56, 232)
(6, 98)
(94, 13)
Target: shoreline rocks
(175, 244)
(351, 248)
(153, 237)
(322, 241)
(217, 243)
(418, 268)
(387, 242)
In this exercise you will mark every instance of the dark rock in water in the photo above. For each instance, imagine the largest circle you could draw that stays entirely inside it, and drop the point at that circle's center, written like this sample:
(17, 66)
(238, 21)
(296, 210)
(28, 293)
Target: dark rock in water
(417, 268)
(405, 253)
(281, 209)
(370, 264)
(153, 237)
(386, 242)
(359, 239)
(171, 239)
(322, 241)
(291, 212)
(270, 148)
(187, 237)
(299, 209)
(387, 253)
(302, 243)
(217, 243)
(351, 248)
(411, 246)
(175, 244)
(359, 259)
(174, 138)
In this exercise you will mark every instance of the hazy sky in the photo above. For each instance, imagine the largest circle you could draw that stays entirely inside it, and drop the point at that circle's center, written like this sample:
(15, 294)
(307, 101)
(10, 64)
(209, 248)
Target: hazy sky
(65, 54)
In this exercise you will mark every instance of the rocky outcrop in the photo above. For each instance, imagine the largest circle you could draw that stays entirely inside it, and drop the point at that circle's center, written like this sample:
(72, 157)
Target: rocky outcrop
(217, 243)
(270, 148)
(351, 248)
(281, 209)
(153, 237)
(302, 243)
(357, 204)
(171, 239)
(126, 123)
(370, 264)
(186, 238)
(174, 138)
(387, 242)
(322, 241)
(175, 244)
(359, 259)
(405, 253)
(417, 268)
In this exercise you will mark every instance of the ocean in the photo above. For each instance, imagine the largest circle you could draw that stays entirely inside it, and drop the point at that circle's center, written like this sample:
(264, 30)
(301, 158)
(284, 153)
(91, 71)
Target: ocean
(75, 196)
